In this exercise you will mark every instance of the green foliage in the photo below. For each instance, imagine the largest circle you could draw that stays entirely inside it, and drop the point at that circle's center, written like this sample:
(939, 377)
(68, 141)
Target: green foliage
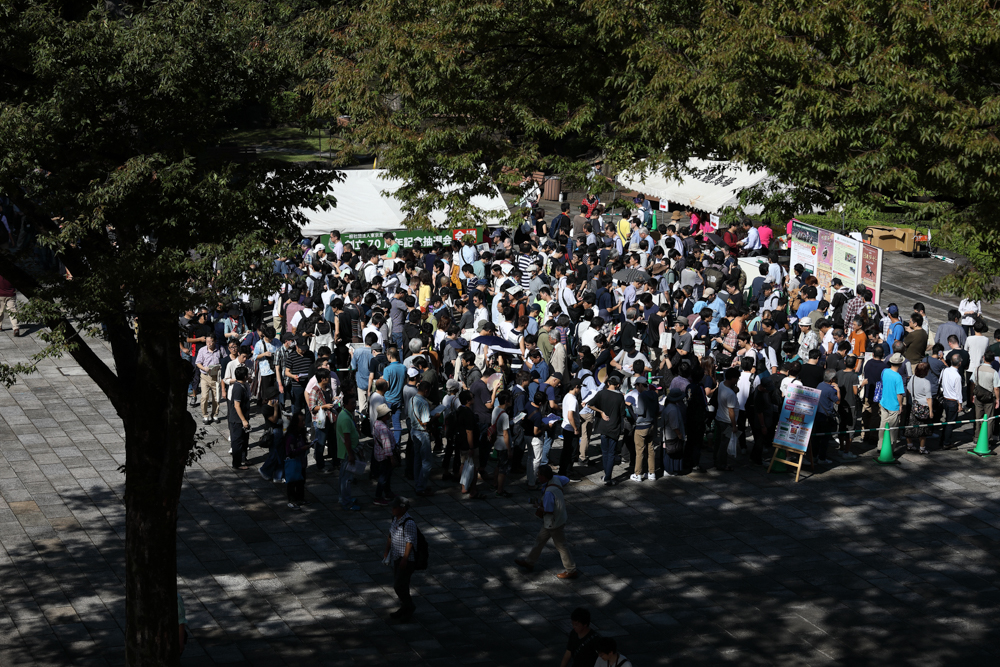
(858, 102)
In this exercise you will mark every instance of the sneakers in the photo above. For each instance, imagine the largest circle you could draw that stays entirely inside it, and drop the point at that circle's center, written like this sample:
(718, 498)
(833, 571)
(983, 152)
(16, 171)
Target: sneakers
(848, 456)
(380, 501)
(353, 508)
(824, 462)
(651, 476)
(206, 421)
(293, 506)
(636, 478)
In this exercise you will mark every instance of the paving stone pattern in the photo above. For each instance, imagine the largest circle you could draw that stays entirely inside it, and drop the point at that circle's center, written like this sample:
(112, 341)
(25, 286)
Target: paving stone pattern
(857, 564)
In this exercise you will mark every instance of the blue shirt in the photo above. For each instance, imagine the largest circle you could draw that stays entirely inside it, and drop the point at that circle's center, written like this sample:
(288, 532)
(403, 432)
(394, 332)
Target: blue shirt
(395, 375)
(543, 370)
(806, 308)
(828, 399)
(718, 312)
(892, 386)
(361, 364)
(895, 332)
(265, 367)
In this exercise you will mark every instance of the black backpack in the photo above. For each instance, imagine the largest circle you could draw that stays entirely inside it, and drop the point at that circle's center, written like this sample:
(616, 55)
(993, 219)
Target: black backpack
(422, 553)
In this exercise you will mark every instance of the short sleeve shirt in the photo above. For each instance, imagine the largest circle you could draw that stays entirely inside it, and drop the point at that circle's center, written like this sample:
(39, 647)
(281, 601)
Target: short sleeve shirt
(345, 426)
(570, 407)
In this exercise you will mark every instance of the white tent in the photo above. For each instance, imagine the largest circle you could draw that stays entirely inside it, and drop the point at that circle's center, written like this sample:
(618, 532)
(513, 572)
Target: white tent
(361, 206)
(707, 185)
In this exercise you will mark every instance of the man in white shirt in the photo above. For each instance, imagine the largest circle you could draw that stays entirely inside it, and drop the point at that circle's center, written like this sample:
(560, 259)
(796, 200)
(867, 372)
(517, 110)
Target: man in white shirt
(951, 388)
(751, 244)
(726, 418)
(338, 246)
(776, 273)
(744, 387)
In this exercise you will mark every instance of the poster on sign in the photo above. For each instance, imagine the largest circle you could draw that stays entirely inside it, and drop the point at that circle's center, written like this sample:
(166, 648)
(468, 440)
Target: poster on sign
(846, 260)
(714, 221)
(805, 241)
(798, 414)
(664, 205)
(824, 256)
(871, 270)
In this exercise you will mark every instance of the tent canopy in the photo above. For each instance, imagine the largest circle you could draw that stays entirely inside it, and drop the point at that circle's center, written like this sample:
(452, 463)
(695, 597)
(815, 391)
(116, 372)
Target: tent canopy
(361, 206)
(707, 185)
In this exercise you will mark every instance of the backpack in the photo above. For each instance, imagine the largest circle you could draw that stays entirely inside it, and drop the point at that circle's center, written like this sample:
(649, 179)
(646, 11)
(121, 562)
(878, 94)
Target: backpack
(714, 278)
(555, 226)
(322, 335)
(422, 553)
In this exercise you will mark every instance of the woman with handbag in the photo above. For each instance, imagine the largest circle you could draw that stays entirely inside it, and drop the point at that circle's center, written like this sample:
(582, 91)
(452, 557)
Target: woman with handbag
(919, 388)
(297, 458)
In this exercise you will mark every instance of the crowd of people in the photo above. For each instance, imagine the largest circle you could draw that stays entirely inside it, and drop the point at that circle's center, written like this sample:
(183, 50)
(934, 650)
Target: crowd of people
(607, 340)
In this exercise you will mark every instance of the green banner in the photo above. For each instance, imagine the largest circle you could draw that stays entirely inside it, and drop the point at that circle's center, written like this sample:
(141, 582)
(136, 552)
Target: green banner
(405, 237)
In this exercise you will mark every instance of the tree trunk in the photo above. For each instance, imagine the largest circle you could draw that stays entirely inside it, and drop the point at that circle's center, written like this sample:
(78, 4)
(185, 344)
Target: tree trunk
(159, 433)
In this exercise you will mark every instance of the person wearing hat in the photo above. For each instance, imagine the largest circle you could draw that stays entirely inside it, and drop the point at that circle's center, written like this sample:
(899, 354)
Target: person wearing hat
(386, 449)
(400, 554)
(808, 339)
(551, 509)
(892, 400)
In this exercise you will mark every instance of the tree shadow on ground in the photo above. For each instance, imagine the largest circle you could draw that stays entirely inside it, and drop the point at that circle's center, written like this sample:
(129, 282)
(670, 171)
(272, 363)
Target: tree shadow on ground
(861, 565)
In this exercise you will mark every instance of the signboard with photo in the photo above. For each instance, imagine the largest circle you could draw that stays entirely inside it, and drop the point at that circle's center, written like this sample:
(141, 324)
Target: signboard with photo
(797, 417)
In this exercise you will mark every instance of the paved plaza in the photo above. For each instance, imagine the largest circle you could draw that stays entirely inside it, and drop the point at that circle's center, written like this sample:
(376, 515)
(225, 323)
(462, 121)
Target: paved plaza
(857, 564)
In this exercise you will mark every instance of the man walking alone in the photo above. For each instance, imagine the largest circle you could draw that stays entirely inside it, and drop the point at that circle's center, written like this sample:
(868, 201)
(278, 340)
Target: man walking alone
(552, 512)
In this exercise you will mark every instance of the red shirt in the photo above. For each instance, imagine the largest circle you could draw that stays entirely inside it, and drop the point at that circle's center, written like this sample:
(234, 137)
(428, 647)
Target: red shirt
(6, 289)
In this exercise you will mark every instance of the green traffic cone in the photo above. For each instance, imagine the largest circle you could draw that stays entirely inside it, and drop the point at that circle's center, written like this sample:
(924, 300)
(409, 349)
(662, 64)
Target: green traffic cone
(983, 443)
(654, 221)
(777, 465)
(885, 456)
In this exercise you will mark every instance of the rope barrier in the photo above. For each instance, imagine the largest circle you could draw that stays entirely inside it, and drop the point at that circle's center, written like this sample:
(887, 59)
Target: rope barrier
(921, 425)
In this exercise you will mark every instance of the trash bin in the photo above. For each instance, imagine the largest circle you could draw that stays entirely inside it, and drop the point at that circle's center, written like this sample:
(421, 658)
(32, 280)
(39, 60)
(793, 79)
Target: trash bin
(552, 188)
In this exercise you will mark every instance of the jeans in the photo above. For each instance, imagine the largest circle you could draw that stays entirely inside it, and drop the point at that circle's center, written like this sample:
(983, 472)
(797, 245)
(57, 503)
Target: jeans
(345, 484)
(273, 468)
(298, 398)
(397, 338)
(422, 458)
(383, 489)
(320, 448)
(397, 422)
(950, 415)
(546, 446)
(402, 571)
(568, 455)
(608, 455)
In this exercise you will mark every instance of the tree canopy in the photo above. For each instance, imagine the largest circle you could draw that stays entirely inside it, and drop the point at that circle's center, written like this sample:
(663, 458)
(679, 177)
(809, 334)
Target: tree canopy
(108, 122)
(863, 103)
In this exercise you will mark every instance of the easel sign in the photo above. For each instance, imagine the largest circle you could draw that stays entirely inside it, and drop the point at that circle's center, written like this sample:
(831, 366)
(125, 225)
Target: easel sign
(795, 425)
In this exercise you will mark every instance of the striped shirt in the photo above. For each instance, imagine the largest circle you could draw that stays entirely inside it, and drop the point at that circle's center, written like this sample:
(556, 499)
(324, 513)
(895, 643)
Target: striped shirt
(524, 263)
(300, 366)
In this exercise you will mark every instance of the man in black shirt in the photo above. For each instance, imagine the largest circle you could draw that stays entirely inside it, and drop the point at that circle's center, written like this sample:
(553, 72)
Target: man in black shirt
(297, 371)
(467, 436)
(812, 373)
(238, 417)
(609, 404)
(580, 649)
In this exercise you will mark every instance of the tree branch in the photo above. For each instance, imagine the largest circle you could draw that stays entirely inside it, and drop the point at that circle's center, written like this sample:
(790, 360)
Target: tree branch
(79, 349)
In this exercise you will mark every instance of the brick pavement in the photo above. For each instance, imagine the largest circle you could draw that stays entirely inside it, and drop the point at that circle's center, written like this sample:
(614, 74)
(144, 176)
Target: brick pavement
(857, 564)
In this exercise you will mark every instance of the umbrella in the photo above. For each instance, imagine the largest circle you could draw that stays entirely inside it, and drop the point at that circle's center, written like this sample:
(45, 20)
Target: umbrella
(498, 344)
(716, 239)
(630, 275)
